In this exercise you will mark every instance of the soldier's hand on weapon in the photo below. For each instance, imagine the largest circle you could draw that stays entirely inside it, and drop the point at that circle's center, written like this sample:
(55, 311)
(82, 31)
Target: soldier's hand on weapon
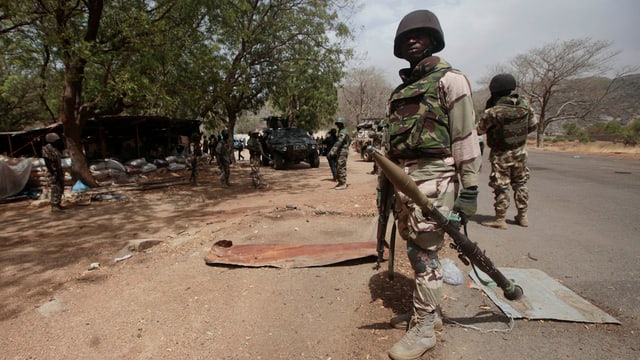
(467, 203)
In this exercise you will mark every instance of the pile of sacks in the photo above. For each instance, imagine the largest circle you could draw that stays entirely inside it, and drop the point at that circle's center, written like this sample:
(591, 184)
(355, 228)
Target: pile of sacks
(117, 172)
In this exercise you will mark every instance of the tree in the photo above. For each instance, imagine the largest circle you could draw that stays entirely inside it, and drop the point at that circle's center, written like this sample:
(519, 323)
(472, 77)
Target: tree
(364, 94)
(268, 47)
(134, 57)
(547, 76)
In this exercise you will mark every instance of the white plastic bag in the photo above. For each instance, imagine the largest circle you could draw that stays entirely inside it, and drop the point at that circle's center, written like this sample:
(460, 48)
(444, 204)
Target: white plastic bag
(450, 272)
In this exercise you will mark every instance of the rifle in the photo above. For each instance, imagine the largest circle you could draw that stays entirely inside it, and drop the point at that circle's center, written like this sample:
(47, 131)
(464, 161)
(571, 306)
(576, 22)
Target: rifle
(465, 247)
(385, 202)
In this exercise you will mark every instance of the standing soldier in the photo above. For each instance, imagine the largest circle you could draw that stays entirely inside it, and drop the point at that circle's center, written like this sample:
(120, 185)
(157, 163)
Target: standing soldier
(53, 160)
(213, 143)
(224, 158)
(430, 133)
(331, 139)
(195, 153)
(376, 142)
(255, 157)
(507, 120)
(340, 152)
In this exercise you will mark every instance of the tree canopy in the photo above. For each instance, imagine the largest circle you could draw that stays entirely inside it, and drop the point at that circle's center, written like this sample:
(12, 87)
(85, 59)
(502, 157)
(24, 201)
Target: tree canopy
(69, 61)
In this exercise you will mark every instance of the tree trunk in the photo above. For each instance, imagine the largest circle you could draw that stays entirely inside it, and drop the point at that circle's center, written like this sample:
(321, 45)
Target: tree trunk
(72, 116)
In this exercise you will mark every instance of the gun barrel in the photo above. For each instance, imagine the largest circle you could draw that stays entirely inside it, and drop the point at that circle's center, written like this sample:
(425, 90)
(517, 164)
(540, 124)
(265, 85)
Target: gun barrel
(406, 185)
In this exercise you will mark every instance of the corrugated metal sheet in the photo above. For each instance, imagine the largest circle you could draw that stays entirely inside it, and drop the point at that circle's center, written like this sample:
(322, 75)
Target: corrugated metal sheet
(287, 255)
(544, 298)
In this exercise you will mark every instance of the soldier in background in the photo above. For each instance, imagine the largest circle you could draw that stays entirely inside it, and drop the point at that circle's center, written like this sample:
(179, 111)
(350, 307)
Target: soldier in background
(53, 160)
(256, 152)
(340, 152)
(328, 143)
(507, 120)
(224, 158)
(195, 153)
(376, 142)
(213, 143)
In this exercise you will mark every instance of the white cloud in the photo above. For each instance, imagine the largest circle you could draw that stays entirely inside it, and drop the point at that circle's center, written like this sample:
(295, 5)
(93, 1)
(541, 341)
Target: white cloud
(481, 34)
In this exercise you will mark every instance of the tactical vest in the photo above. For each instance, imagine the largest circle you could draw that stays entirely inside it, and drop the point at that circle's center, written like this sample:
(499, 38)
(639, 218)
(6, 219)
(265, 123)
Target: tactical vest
(511, 128)
(417, 126)
(347, 139)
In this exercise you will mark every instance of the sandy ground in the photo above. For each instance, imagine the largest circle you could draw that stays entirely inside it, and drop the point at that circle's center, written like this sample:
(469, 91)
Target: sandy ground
(164, 302)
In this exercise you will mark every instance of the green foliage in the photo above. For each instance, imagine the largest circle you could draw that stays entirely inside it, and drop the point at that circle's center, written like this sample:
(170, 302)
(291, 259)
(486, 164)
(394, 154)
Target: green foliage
(191, 58)
(631, 133)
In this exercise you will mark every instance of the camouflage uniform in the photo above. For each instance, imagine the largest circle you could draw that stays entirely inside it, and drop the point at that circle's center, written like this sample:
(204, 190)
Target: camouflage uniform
(196, 153)
(329, 142)
(376, 142)
(430, 133)
(341, 150)
(224, 161)
(255, 158)
(437, 148)
(507, 124)
(53, 160)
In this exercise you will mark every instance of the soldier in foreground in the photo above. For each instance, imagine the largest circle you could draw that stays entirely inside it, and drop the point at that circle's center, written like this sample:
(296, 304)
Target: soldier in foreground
(53, 161)
(507, 120)
(340, 152)
(256, 152)
(430, 132)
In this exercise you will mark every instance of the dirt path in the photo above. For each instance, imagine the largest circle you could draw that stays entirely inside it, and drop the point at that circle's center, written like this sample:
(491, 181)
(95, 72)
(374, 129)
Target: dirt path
(164, 302)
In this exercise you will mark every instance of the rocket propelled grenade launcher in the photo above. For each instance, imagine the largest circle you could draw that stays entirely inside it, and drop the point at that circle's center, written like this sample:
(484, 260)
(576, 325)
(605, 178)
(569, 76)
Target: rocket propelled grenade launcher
(466, 247)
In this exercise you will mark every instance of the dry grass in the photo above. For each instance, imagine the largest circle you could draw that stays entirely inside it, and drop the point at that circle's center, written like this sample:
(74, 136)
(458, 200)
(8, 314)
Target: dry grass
(597, 147)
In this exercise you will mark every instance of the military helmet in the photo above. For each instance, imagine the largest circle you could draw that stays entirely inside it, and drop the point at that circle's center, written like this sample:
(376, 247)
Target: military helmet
(502, 83)
(419, 19)
(52, 137)
(339, 121)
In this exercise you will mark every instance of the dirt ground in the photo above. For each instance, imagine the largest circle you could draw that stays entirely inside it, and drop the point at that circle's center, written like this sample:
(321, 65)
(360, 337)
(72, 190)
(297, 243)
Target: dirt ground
(164, 302)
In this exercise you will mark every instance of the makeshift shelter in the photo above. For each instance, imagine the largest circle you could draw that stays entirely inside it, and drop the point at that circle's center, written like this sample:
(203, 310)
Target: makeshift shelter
(132, 137)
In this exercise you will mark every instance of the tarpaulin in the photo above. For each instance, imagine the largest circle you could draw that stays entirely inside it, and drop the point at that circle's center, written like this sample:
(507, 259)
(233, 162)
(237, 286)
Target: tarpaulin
(13, 178)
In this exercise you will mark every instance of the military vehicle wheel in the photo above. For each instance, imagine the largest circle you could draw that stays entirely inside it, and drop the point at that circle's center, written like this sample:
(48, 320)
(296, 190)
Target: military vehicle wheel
(366, 156)
(314, 160)
(278, 162)
(265, 161)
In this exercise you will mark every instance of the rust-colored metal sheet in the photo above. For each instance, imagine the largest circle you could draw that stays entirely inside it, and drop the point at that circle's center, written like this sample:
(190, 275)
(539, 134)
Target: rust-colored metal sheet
(287, 255)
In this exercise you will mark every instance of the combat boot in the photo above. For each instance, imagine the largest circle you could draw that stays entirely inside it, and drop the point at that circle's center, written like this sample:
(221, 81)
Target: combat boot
(340, 187)
(420, 338)
(522, 219)
(402, 321)
(499, 222)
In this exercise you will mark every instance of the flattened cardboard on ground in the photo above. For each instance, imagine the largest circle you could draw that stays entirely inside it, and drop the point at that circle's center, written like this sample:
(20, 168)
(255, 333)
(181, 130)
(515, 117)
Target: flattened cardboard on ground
(544, 298)
(287, 255)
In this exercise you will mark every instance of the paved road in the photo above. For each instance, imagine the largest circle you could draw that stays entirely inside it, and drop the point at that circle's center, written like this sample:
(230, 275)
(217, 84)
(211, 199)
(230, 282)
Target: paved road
(584, 228)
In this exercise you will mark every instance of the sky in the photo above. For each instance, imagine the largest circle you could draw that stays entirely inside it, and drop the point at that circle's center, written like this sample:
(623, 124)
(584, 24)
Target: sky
(480, 34)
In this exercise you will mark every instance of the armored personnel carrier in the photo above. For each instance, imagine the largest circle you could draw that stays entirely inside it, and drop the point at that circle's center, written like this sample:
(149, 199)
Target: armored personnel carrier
(286, 145)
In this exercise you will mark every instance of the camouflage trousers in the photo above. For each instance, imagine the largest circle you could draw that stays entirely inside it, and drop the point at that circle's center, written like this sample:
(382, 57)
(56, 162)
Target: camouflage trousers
(424, 239)
(341, 166)
(56, 188)
(225, 171)
(194, 170)
(255, 162)
(509, 169)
